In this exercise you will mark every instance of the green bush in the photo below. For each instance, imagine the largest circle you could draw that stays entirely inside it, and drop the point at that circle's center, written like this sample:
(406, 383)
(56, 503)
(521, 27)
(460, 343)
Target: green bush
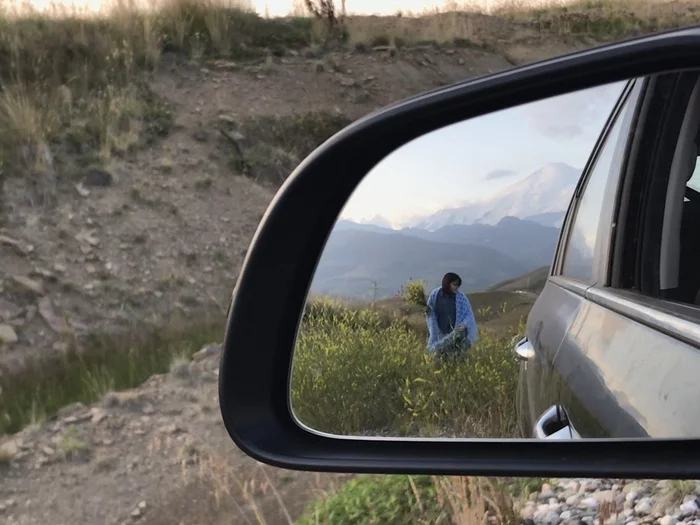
(361, 372)
(389, 499)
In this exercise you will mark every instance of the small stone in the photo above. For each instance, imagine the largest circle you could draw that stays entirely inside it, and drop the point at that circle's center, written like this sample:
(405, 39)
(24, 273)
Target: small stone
(48, 451)
(546, 492)
(83, 192)
(590, 502)
(16, 245)
(207, 351)
(8, 310)
(566, 515)
(29, 284)
(10, 448)
(573, 501)
(97, 415)
(8, 336)
(56, 323)
(668, 520)
(690, 506)
(87, 237)
(644, 506)
(347, 82)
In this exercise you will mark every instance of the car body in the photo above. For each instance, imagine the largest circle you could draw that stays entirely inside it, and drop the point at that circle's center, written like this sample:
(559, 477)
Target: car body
(611, 349)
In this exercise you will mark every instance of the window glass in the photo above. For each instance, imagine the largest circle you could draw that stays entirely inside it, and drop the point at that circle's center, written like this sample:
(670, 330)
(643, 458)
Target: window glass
(579, 254)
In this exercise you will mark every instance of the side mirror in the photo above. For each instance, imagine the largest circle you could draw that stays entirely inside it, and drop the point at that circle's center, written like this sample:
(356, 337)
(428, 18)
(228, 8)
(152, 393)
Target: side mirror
(269, 301)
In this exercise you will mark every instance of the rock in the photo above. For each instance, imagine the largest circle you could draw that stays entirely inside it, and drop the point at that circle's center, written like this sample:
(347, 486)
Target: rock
(16, 245)
(347, 82)
(10, 449)
(690, 506)
(56, 323)
(8, 336)
(644, 506)
(668, 520)
(87, 237)
(81, 190)
(8, 310)
(97, 415)
(573, 501)
(631, 496)
(31, 285)
(48, 451)
(207, 351)
(590, 502)
(566, 515)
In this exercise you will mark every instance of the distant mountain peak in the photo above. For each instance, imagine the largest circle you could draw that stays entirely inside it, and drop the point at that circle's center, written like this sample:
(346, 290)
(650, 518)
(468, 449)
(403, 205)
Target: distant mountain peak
(547, 190)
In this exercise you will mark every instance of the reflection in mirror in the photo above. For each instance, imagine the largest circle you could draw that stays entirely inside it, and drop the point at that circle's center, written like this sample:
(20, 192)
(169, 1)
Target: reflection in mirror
(426, 281)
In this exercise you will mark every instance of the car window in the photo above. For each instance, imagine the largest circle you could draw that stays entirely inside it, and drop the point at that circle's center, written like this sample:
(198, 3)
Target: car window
(580, 249)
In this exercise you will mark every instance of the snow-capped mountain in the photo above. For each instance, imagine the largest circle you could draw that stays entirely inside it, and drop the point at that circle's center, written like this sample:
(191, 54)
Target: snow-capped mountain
(541, 197)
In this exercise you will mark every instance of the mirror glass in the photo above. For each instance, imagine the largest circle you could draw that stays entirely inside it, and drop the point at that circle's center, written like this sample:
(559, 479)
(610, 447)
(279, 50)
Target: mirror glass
(426, 282)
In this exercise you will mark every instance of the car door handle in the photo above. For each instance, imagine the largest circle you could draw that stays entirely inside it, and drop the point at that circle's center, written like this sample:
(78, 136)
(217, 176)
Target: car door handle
(524, 350)
(551, 425)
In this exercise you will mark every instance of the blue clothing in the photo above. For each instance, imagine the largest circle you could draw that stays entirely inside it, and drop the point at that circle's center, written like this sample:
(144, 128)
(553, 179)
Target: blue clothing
(464, 316)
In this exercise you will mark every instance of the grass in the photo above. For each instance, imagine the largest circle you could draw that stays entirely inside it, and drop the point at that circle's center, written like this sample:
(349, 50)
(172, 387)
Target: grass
(267, 149)
(367, 372)
(414, 499)
(101, 364)
(75, 91)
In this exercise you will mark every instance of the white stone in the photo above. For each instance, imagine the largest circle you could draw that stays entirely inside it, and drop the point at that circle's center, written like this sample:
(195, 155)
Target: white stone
(591, 503)
(690, 506)
(668, 520)
(644, 506)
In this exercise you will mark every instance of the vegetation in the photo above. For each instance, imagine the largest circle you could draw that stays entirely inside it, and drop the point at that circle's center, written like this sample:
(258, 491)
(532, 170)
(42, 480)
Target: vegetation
(414, 499)
(74, 93)
(91, 368)
(367, 372)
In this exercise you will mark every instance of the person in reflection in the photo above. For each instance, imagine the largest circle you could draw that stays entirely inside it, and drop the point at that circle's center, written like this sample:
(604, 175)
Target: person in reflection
(451, 323)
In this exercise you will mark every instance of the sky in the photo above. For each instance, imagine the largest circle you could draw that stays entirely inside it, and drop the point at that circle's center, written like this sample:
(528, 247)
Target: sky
(474, 160)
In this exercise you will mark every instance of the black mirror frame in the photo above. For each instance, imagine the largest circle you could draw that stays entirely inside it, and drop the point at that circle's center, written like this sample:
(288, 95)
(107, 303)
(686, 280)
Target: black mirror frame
(270, 295)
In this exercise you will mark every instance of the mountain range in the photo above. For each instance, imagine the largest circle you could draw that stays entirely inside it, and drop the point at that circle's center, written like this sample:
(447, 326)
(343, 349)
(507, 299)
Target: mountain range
(542, 197)
(487, 242)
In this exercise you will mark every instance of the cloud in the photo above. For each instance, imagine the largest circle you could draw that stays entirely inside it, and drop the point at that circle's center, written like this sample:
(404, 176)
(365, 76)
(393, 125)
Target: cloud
(500, 174)
(568, 116)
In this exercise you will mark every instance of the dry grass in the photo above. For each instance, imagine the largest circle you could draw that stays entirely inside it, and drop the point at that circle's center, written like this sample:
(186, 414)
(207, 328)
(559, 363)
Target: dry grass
(73, 90)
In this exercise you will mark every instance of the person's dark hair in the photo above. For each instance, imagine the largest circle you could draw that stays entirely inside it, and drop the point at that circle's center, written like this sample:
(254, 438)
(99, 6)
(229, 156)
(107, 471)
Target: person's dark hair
(448, 280)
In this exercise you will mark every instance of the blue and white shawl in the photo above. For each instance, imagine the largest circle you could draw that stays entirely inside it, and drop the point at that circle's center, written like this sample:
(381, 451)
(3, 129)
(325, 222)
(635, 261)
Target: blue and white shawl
(464, 316)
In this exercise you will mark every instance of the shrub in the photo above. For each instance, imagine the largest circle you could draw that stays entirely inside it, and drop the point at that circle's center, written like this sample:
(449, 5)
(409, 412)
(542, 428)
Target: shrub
(359, 372)
(413, 292)
(379, 499)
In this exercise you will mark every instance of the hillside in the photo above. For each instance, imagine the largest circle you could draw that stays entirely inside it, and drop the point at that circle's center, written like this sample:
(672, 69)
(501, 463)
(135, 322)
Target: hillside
(353, 261)
(531, 282)
(137, 154)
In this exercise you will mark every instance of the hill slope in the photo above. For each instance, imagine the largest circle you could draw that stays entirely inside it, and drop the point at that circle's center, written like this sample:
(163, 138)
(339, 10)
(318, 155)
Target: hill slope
(354, 260)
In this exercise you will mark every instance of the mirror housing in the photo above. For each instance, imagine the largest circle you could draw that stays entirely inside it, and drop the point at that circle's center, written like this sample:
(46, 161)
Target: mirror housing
(270, 296)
